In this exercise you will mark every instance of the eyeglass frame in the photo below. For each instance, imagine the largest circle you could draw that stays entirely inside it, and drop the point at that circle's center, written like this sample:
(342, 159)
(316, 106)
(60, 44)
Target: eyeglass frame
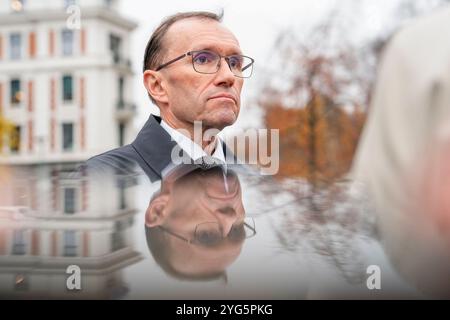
(192, 241)
(190, 53)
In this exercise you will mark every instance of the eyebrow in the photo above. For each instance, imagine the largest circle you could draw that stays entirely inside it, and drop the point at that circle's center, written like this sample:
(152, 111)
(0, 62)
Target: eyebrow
(215, 49)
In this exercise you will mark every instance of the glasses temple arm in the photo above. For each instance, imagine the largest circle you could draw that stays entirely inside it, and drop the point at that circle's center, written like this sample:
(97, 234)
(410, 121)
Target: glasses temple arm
(175, 235)
(249, 226)
(171, 61)
(247, 66)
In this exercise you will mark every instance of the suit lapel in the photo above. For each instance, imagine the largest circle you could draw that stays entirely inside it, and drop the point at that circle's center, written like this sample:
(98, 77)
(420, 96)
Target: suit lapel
(154, 145)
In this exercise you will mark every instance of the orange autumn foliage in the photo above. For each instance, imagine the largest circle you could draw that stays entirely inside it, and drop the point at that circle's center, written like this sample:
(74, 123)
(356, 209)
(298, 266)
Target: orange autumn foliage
(318, 141)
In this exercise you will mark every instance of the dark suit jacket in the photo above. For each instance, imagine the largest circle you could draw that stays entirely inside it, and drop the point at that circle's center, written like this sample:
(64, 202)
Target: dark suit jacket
(150, 152)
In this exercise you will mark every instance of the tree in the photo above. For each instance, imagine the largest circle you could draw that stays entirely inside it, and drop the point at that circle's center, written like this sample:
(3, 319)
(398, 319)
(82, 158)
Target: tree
(318, 116)
(320, 89)
(318, 101)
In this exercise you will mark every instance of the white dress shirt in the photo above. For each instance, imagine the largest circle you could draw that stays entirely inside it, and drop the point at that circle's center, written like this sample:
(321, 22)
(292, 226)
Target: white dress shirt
(192, 149)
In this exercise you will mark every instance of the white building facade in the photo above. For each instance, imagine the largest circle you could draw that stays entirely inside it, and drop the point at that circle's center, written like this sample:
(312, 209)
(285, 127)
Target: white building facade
(65, 79)
(66, 90)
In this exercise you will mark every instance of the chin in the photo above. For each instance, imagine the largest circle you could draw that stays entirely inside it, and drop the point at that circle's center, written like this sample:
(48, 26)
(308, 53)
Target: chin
(223, 122)
(223, 112)
(222, 119)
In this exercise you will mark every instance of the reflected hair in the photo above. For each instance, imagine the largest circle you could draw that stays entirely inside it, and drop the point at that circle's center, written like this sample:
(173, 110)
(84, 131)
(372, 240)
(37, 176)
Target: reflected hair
(160, 251)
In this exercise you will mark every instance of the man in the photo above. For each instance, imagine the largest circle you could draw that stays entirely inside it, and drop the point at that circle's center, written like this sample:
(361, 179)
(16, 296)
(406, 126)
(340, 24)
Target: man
(403, 158)
(196, 224)
(194, 71)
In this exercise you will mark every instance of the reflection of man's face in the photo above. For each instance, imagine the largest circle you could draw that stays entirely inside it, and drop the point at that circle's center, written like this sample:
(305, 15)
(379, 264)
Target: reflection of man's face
(197, 206)
(206, 196)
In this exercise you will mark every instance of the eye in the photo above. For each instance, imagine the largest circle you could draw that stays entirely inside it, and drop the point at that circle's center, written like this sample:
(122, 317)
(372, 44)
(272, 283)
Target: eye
(208, 237)
(204, 57)
(235, 62)
(237, 233)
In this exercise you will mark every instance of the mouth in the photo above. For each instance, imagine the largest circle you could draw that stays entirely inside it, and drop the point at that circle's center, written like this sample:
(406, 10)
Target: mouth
(224, 96)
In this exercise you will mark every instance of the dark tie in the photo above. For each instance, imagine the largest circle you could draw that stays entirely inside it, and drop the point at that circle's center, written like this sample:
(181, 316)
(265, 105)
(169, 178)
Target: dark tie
(207, 162)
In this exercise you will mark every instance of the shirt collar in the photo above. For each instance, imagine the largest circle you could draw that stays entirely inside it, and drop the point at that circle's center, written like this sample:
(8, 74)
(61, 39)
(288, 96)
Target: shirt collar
(192, 149)
(154, 146)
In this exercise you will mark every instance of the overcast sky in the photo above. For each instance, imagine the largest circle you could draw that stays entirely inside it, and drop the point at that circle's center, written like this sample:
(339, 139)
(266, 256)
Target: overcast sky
(256, 25)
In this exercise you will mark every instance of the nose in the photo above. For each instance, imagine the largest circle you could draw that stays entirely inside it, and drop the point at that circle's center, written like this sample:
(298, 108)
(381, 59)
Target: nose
(224, 76)
(227, 217)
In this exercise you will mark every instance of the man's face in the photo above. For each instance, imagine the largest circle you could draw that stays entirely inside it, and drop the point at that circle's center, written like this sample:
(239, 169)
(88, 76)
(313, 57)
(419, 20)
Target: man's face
(191, 95)
(201, 198)
(205, 196)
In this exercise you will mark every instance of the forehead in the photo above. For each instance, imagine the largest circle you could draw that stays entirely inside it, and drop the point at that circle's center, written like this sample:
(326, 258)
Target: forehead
(195, 34)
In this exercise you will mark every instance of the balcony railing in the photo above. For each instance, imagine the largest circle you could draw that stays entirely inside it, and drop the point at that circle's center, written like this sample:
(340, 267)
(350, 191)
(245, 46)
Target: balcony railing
(121, 61)
(125, 110)
(18, 249)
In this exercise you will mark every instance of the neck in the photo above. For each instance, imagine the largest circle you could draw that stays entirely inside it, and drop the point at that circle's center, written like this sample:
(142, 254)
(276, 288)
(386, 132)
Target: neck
(203, 136)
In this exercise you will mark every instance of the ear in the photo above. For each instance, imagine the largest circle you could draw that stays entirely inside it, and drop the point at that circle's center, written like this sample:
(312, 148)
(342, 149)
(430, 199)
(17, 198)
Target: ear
(156, 213)
(155, 85)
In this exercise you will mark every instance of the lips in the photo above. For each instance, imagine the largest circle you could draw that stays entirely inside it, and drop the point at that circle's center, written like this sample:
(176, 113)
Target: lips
(224, 96)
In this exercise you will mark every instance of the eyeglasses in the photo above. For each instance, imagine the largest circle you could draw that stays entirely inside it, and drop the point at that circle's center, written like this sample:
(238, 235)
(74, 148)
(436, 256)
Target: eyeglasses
(208, 62)
(211, 233)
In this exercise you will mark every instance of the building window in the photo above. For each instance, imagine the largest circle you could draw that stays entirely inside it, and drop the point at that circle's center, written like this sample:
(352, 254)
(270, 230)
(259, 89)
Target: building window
(122, 195)
(15, 46)
(14, 140)
(114, 46)
(16, 93)
(70, 243)
(68, 3)
(67, 88)
(67, 129)
(69, 200)
(121, 90)
(19, 246)
(117, 236)
(121, 134)
(67, 42)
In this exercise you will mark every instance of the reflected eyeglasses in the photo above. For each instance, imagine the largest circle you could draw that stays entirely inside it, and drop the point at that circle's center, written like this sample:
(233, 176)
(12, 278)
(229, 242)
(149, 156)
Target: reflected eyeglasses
(210, 233)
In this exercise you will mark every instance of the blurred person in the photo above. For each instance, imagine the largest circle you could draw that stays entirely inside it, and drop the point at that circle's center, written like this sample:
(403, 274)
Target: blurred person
(403, 159)
(196, 223)
(193, 71)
